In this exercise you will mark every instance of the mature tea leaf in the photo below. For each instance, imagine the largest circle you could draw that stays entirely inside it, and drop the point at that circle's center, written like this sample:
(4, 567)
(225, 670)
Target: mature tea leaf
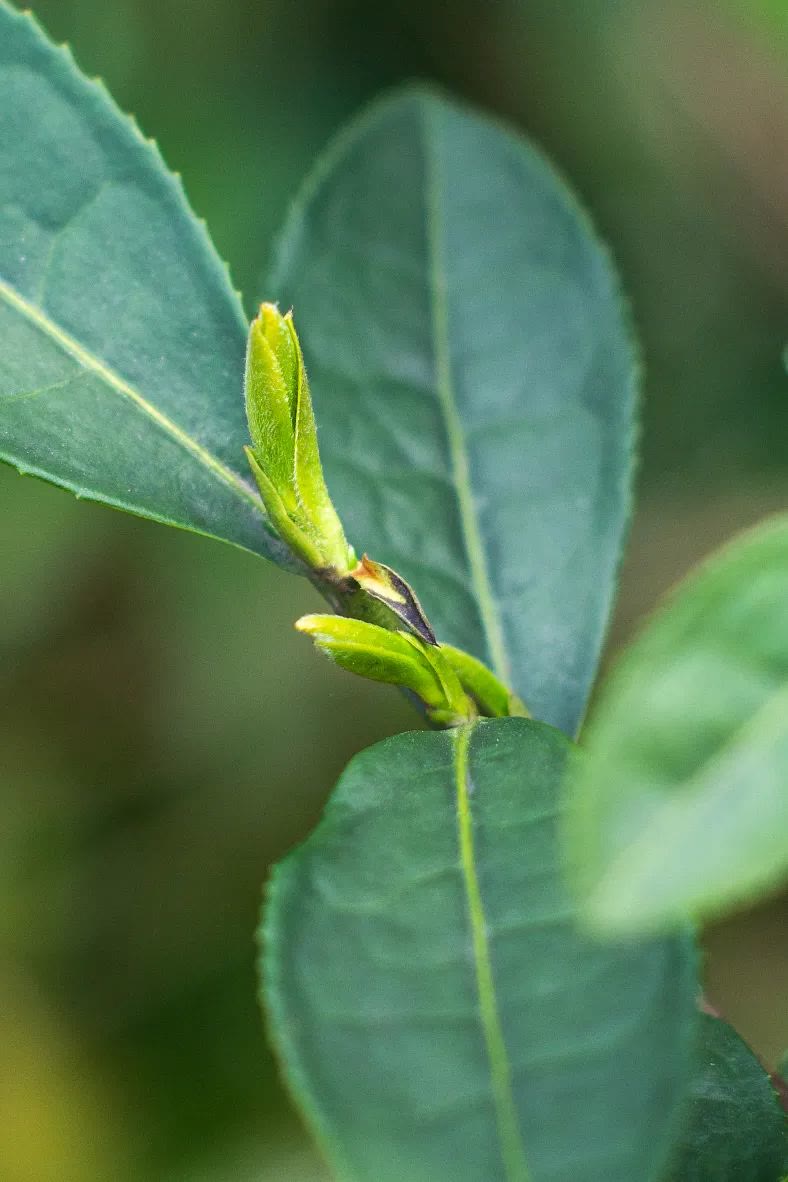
(438, 1014)
(735, 1130)
(682, 806)
(474, 385)
(122, 341)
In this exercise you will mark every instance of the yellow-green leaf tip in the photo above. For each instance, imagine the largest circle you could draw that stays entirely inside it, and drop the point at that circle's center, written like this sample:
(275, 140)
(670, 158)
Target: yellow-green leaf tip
(397, 658)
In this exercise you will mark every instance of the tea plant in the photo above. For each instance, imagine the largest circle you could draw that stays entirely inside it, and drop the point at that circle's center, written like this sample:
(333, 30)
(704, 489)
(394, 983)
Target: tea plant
(444, 1005)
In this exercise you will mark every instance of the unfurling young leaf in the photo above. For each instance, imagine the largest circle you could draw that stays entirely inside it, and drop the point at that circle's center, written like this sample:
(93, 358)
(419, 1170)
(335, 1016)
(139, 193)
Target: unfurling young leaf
(452, 686)
(398, 658)
(284, 456)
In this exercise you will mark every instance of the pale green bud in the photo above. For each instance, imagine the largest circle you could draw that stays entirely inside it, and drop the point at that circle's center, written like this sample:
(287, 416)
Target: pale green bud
(284, 455)
(271, 394)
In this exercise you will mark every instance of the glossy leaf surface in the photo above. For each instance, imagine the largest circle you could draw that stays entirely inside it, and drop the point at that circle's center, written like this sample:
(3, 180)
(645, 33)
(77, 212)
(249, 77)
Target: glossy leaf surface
(438, 1015)
(121, 364)
(681, 807)
(474, 385)
(735, 1130)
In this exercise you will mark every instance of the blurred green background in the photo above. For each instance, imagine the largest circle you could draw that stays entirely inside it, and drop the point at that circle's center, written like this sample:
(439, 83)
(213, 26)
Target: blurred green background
(163, 732)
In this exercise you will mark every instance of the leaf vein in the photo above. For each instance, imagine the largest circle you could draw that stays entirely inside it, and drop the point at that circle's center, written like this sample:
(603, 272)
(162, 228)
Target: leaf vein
(113, 380)
(21, 395)
(512, 1150)
(474, 546)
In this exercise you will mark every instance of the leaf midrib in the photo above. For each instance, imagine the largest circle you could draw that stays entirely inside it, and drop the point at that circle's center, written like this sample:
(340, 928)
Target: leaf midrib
(460, 466)
(512, 1151)
(90, 362)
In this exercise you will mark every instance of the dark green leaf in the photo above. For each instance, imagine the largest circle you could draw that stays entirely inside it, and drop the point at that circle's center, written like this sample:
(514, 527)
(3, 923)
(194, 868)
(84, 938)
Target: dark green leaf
(438, 1015)
(474, 385)
(735, 1129)
(122, 341)
(682, 806)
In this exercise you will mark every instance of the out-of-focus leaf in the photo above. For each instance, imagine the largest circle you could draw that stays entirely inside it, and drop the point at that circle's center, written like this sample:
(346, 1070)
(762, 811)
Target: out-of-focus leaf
(122, 354)
(474, 384)
(735, 1130)
(681, 807)
(438, 1015)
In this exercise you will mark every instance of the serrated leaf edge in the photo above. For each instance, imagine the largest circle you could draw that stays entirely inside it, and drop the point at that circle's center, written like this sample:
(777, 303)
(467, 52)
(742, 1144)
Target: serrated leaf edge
(200, 230)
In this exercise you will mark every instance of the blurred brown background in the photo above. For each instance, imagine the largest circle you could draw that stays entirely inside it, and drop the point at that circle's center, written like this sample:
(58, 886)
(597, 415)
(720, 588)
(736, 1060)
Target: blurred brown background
(163, 733)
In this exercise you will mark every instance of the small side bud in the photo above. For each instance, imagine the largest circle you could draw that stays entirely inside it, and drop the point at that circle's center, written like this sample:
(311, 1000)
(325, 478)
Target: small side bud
(397, 658)
(284, 456)
(390, 589)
